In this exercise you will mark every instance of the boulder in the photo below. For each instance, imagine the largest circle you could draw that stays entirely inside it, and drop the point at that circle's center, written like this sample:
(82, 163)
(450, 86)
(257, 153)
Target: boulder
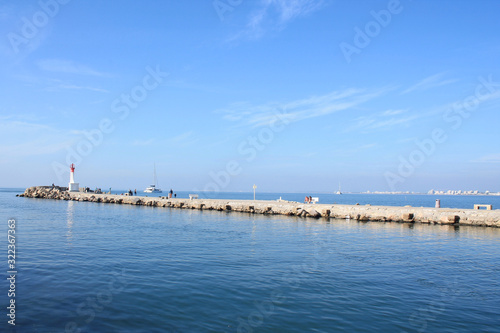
(450, 219)
(313, 212)
(407, 217)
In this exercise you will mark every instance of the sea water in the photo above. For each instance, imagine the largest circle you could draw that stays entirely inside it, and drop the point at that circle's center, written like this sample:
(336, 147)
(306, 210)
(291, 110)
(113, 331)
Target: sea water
(92, 267)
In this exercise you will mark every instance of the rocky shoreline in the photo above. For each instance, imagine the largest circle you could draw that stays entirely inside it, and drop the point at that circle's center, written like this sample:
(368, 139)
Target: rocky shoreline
(407, 214)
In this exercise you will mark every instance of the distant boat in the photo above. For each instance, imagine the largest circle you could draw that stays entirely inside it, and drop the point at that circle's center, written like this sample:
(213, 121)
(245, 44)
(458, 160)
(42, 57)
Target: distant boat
(152, 188)
(338, 192)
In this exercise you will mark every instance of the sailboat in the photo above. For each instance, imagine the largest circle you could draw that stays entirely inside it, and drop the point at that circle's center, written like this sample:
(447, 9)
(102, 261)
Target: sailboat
(152, 188)
(338, 192)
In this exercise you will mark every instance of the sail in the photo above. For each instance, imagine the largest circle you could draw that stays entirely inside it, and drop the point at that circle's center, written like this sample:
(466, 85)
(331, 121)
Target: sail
(153, 188)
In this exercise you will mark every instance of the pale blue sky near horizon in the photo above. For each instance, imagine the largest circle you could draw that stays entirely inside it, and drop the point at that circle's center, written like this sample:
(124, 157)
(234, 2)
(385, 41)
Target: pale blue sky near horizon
(292, 96)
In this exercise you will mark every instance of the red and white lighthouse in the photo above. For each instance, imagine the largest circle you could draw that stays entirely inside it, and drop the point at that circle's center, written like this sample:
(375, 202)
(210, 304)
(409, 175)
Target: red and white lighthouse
(73, 187)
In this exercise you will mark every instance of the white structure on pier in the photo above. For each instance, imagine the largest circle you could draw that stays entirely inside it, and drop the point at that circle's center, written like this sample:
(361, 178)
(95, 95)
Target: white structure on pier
(73, 187)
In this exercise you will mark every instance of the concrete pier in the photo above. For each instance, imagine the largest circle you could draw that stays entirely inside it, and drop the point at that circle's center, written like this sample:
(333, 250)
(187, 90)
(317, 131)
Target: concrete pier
(407, 214)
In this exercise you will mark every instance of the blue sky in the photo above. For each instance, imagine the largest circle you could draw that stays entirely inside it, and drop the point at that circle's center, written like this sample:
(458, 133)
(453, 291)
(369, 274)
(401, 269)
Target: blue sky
(292, 96)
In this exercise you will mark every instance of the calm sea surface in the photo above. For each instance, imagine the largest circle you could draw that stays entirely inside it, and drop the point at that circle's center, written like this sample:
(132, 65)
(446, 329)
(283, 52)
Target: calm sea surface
(88, 267)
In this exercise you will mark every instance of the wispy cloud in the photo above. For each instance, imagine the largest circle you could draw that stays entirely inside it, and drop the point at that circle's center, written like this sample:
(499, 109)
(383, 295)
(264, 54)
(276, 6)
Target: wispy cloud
(55, 85)
(432, 81)
(27, 117)
(21, 138)
(491, 158)
(143, 143)
(275, 15)
(367, 146)
(246, 114)
(68, 67)
(183, 84)
(3, 13)
(184, 139)
(393, 112)
(356, 148)
(75, 87)
(383, 119)
(488, 101)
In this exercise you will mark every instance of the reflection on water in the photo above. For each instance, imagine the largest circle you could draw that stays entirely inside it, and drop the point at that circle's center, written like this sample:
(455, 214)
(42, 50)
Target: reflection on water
(209, 271)
(70, 211)
(421, 228)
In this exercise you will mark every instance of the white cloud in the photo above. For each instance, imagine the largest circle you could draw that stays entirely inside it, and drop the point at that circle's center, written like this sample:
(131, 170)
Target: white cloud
(27, 117)
(246, 114)
(289, 9)
(432, 81)
(367, 146)
(142, 143)
(384, 119)
(275, 15)
(4, 13)
(55, 85)
(75, 87)
(491, 158)
(392, 112)
(68, 67)
(20, 138)
(184, 139)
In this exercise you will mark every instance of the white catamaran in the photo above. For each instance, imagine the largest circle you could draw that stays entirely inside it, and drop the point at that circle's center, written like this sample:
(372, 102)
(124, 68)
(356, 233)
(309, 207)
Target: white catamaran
(339, 192)
(152, 188)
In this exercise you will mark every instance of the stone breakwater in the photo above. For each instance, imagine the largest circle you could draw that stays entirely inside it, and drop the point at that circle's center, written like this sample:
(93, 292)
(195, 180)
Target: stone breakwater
(405, 214)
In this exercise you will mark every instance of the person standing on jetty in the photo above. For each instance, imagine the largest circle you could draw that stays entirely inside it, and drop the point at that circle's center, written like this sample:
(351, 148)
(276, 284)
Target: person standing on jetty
(170, 193)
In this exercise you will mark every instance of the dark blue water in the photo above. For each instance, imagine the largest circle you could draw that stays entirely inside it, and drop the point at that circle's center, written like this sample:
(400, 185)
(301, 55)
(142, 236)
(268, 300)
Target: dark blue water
(117, 268)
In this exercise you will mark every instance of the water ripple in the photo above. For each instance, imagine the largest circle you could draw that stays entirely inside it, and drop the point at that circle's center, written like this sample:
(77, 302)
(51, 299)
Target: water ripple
(107, 268)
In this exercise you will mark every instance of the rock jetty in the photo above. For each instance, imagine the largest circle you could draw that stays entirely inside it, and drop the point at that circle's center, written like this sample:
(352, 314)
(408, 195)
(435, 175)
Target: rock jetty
(407, 214)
